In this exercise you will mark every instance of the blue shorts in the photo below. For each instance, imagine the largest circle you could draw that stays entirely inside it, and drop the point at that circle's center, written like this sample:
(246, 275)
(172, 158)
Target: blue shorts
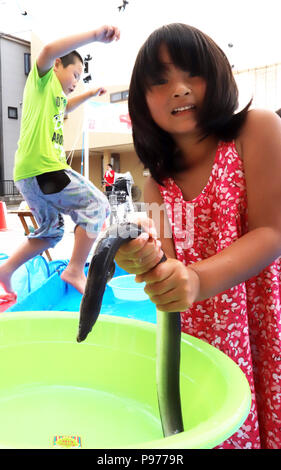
(87, 206)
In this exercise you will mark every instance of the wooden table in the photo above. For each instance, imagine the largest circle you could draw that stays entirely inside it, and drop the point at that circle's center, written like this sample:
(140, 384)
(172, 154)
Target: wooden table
(25, 213)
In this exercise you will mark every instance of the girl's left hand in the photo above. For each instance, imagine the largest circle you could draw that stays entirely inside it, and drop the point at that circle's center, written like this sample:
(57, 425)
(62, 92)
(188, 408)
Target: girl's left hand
(171, 286)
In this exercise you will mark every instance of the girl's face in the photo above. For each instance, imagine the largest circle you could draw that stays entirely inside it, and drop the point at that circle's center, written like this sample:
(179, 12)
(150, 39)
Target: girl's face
(174, 98)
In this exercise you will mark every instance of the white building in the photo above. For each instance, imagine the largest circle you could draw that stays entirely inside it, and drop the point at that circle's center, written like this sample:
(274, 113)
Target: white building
(14, 68)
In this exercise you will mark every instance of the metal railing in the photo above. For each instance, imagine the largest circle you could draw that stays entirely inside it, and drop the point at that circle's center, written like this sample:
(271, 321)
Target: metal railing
(8, 188)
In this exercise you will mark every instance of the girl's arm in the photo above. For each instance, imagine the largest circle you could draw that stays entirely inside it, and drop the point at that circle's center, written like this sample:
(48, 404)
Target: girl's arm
(173, 286)
(63, 46)
(75, 101)
(260, 144)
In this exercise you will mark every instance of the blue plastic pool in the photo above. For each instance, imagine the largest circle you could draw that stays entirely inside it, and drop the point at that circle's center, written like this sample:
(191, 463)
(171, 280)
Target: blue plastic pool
(40, 288)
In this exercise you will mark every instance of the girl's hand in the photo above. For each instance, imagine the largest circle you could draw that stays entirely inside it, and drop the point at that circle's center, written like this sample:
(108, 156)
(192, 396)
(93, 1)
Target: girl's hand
(171, 286)
(142, 254)
(107, 34)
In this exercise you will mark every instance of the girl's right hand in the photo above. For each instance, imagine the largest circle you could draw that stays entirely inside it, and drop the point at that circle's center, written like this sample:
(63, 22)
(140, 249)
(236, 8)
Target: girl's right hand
(142, 254)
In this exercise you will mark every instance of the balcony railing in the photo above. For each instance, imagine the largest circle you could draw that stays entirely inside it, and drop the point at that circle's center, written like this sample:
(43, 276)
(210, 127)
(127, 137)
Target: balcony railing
(8, 188)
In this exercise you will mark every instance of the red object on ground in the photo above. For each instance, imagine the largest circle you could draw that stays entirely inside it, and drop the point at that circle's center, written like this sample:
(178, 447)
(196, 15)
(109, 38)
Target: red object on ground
(5, 305)
(3, 223)
(7, 300)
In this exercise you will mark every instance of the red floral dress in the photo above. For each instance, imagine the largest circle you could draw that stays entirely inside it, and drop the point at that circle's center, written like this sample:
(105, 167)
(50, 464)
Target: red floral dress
(244, 321)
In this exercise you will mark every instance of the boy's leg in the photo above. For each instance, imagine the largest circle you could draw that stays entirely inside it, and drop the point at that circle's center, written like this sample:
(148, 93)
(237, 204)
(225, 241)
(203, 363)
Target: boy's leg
(29, 248)
(88, 207)
(50, 231)
(74, 273)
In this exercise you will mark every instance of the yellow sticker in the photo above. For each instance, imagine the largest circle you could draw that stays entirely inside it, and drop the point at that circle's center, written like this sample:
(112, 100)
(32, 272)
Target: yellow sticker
(67, 442)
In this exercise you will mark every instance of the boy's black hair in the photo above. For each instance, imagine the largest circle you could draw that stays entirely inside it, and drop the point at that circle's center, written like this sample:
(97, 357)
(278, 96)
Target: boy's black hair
(195, 52)
(70, 58)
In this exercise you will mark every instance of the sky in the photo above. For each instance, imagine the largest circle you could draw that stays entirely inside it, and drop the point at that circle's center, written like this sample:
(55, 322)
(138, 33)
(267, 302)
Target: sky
(251, 27)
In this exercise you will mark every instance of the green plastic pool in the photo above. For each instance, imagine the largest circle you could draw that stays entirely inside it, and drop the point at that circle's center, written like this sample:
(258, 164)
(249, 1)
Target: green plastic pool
(102, 393)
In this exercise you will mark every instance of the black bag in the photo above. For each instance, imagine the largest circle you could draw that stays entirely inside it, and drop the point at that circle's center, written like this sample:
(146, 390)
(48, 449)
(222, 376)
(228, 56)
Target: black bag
(53, 181)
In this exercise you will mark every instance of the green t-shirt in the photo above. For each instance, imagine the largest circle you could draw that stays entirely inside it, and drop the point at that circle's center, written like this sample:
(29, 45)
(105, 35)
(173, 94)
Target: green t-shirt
(40, 146)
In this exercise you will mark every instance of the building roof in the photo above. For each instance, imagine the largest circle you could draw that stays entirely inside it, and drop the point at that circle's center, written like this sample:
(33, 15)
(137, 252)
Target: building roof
(9, 37)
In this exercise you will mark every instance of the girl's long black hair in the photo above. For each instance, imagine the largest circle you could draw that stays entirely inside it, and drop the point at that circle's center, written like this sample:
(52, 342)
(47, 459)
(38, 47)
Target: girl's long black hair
(195, 52)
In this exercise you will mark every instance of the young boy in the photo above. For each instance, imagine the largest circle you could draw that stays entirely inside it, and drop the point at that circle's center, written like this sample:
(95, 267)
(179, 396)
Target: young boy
(49, 186)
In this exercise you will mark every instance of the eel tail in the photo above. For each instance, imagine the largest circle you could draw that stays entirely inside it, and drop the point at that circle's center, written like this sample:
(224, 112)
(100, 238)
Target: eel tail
(168, 324)
(168, 372)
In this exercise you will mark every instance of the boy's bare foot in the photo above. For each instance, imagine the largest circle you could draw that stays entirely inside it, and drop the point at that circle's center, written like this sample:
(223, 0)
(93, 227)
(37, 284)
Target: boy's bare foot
(77, 280)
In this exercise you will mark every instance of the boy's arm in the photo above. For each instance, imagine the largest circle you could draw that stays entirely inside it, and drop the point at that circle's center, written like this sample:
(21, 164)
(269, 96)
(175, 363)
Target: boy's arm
(63, 46)
(75, 101)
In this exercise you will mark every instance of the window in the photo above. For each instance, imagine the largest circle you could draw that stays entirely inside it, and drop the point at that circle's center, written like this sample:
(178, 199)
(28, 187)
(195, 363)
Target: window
(26, 63)
(115, 97)
(119, 96)
(12, 112)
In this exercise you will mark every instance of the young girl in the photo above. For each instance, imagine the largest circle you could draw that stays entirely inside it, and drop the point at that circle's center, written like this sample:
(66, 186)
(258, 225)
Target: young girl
(227, 167)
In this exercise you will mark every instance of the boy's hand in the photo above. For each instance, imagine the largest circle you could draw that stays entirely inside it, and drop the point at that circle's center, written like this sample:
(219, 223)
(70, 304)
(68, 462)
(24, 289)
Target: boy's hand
(107, 34)
(98, 92)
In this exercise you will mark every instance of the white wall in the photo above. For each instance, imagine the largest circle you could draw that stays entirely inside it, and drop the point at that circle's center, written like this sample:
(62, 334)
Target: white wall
(13, 81)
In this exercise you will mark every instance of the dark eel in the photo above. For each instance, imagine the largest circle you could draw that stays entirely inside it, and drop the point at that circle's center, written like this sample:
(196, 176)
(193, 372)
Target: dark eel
(101, 269)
